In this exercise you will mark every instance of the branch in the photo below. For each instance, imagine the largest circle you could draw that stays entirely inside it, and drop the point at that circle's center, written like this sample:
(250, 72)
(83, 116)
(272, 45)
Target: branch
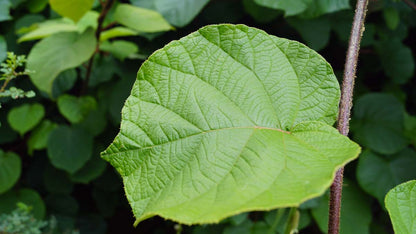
(106, 6)
(410, 4)
(345, 108)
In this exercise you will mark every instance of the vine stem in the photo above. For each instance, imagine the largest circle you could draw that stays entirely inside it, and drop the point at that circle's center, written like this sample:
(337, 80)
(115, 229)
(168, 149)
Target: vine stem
(106, 6)
(410, 4)
(345, 108)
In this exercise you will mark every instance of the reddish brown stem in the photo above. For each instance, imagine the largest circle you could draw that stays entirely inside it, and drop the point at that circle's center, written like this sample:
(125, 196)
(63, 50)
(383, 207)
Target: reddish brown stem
(410, 4)
(345, 108)
(106, 6)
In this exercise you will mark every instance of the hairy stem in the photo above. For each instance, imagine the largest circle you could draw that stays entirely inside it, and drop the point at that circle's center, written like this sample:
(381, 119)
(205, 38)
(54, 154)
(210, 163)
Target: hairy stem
(106, 6)
(345, 108)
(410, 4)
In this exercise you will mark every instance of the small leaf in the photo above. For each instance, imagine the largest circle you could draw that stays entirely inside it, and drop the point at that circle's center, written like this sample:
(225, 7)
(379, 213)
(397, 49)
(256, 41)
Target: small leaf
(35, 6)
(39, 137)
(47, 28)
(377, 175)
(226, 120)
(322, 7)
(75, 109)
(90, 171)
(315, 32)
(400, 203)
(178, 12)
(69, 148)
(10, 169)
(58, 53)
(73, 9)
(25, 117)
(117, 32)
(4, 10)
(3, 48)
(140, 19)
(120, 49)
(355, 213)
(397, 60)
(9, 200)
(392, 18)
(378, 123)
(290, 8)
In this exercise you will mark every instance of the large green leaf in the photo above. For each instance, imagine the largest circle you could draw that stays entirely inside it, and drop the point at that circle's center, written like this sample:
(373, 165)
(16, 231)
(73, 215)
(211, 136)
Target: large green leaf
(73, 9)
(377, 175)
(378, 123)
(355, 212)
(10, 169)
(400, 203)
(177, 12)
(140, 19)
(25, 117)
(226, 120)
(69, 148)
(58, 53)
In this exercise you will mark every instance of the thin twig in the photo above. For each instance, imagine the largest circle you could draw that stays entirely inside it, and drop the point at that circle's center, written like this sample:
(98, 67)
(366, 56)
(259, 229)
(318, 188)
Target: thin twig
(410, 4)
(110, 25)
(3, 87)
(345, 108)
(106, 6)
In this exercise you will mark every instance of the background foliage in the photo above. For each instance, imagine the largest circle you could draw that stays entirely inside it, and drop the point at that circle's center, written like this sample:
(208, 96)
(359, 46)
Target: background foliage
(50, 144)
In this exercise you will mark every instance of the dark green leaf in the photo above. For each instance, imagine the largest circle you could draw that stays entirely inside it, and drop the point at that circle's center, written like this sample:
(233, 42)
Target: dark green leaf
(378, 123)
(9, 200)
(39, 138)
(315, 32)
(4, 10)
(69, 148)
(56, 181)
(10, 169)
(377, 175)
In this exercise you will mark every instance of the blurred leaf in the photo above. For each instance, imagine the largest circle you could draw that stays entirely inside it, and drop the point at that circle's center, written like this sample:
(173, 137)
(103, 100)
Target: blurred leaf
(47, 28)
(90, 19)
(355, 213)
(3, 48)
(64, 82)
(377, 175)
(35, 6)
(120, 49)
(73, 9)
(117, 32)
(25, 117)
(57, 181)
(90, 171)
(39, 137)
(293, 7)
(400, 203)
(9, 200)
(315, 32)
(106, 201)
(397, 60)
(140, 19)
(178, 12)
(118, 95)
(104, 68)
(259, 13)
(4, 10)
(28, 23)
(7, 134)
(94, 123)
(378, 123)
(63, 204)
(69, 148)
(10, 169)
(322, 7)
(410, 128)
(58, 53)
(76, 109)
(391, 16)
